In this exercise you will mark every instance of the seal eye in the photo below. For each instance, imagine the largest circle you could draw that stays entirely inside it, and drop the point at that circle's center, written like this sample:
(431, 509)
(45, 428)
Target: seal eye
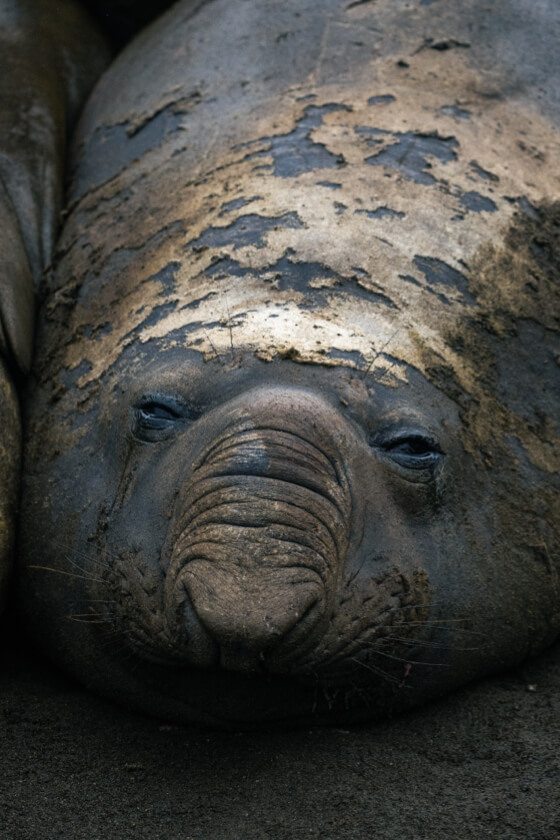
(156, 416)
(154, 420)
(413, 451)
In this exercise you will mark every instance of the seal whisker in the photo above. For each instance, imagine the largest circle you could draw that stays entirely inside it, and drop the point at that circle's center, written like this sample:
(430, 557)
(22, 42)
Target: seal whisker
(425, 644)
(409, 661)
(419, 605)
(98, 601)
(84, 618)
(92, 557)
(68, 574)
(91, 560)
(442, 625)
(76, 565)
(431, 621)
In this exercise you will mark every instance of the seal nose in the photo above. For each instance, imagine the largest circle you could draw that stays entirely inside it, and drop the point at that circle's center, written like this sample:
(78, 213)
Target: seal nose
(262, 533)
(249, 619)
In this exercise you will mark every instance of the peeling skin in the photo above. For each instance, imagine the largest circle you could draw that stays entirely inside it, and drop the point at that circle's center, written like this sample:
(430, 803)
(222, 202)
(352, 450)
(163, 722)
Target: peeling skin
(424, 227)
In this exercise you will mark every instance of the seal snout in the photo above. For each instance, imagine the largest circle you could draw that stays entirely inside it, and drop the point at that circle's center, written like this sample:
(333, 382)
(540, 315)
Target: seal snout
(244, 625)
(262, 533)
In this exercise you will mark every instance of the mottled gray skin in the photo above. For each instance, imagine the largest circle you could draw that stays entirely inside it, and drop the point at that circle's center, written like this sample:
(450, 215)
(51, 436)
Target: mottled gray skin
(292, 440)
(50, 56)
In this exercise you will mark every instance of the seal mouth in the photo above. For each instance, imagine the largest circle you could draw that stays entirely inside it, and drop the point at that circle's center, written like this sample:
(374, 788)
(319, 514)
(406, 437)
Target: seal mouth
(262, 538)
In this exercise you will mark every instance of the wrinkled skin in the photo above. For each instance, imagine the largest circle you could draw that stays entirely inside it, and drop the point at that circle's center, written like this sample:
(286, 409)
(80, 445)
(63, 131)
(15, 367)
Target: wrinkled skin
(49, 60)
(292, 440)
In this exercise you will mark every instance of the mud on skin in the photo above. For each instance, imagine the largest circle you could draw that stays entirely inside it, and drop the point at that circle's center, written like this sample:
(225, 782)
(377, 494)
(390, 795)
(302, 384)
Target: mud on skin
(292, 437)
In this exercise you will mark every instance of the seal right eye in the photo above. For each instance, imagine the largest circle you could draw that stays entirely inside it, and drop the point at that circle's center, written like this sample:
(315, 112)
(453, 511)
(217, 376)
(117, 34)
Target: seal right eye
(156, 416)
(155, 420)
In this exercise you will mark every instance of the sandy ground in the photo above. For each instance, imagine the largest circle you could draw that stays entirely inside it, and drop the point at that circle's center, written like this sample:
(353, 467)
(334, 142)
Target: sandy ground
(484, 762)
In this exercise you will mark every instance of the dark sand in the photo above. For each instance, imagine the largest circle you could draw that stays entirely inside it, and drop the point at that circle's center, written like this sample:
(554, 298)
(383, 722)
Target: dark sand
(484, 762)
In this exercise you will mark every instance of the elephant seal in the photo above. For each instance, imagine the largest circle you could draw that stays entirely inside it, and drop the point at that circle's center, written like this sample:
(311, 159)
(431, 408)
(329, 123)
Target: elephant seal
(48, 65)
(292, 437)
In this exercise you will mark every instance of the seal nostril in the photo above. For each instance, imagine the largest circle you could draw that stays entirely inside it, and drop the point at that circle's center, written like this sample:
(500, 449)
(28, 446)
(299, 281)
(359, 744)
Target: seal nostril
(260, 651)
(244, 622)
(202, 648)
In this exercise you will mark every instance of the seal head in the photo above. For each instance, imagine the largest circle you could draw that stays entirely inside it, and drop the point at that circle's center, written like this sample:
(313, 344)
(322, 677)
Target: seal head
(293, 442)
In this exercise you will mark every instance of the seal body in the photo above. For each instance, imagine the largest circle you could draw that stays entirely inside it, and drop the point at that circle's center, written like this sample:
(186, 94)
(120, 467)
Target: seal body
(48, 64)
(9, 472)
(293, 436)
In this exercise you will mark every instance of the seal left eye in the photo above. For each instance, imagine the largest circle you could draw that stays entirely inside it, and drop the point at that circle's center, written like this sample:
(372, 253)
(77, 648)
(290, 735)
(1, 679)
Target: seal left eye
(413, 451)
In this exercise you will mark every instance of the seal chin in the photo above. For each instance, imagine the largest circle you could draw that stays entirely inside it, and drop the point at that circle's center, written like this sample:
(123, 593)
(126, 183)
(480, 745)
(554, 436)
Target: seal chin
(237, 622)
